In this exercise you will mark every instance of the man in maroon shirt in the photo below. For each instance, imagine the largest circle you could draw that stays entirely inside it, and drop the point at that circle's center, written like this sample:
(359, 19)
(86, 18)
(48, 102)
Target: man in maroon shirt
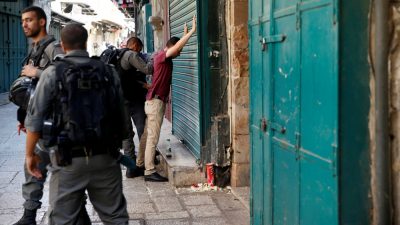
(156, 98)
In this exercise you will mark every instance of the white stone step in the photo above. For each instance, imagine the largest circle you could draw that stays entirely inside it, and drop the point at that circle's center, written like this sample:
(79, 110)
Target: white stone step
(181, 167)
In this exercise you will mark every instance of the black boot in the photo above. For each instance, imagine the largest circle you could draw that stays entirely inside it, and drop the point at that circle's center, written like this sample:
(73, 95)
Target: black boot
(130, 173)
(29, 218)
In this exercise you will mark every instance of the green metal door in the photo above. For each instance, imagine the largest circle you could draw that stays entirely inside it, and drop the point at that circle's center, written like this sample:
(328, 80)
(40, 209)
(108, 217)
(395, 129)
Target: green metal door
(185, 80)
(13, 44)
(294, 60)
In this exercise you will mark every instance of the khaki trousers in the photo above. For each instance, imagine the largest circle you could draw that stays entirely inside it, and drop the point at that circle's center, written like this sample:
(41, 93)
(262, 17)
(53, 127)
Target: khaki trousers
(154, 109)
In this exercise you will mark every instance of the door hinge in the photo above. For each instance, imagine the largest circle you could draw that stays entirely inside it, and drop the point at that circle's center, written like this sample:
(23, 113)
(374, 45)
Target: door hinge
(335, 8)
(334, 160)
(297, 146)
(263, 125)
(298, 16)
(263, 42)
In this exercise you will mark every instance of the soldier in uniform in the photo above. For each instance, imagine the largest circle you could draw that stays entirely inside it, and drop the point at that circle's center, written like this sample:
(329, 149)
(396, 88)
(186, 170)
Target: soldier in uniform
(90, 168)
(132, 70)
(43, 50)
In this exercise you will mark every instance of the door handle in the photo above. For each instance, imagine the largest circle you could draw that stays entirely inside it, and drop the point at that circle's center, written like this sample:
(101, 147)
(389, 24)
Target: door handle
(276, 127)
(282, 130)
(270, 40)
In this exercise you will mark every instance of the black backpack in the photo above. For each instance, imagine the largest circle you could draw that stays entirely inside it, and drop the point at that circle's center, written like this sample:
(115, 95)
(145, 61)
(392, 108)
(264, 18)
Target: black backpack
(132, 80)
(86, 109)
(112, 55)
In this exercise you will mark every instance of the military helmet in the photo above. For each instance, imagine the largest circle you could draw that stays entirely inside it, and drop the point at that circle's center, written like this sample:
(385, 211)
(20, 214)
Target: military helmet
(21, 90)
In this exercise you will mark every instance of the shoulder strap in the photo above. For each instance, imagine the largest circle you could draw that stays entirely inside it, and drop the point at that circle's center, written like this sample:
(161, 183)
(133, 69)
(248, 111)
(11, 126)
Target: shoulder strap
(121, 54)
(61, 65)
(38, 54)
(123, 51)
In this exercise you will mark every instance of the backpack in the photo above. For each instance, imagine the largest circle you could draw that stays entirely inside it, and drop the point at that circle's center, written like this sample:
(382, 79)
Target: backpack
(112, 55)
(86, 109)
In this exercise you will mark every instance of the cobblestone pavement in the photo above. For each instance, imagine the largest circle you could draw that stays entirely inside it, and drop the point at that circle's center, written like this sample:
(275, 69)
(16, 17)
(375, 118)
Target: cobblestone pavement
(148, 203)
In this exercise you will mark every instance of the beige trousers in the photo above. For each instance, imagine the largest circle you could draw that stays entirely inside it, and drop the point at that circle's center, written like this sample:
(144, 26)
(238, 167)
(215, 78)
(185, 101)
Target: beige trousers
(154, 109)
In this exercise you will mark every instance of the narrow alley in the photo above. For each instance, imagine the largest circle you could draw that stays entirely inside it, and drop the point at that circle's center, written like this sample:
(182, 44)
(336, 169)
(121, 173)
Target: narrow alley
(149, 203)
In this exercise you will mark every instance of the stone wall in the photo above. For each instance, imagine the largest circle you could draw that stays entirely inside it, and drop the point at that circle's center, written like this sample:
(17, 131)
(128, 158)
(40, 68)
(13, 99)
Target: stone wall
(158, 9)
(237, 32)
(46, 6)
(395, 108)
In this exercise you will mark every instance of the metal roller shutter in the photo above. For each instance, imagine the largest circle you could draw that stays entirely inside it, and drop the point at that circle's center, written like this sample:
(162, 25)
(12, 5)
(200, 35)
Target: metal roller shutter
(185, 79)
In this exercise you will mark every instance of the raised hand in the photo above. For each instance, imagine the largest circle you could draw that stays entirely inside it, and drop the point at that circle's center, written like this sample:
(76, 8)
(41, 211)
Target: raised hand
(185, 29)
(193, 24)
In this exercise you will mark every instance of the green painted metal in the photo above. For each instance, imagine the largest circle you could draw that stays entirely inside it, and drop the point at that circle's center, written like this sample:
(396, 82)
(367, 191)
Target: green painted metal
(149, 43)
(205, 78)
(294, 112)
(185, 80)
(13, 43)
(355, 106)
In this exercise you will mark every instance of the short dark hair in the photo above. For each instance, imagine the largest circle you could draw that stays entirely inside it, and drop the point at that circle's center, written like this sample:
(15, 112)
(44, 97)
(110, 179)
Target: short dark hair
(172, 41)
(38, 11)
(133, 40)
(74, 36)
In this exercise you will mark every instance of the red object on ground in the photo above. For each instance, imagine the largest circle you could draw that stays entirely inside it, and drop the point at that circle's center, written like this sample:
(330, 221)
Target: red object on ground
(210, 173)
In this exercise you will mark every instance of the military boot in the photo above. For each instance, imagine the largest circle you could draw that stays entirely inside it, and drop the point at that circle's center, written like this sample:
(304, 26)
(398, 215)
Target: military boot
(29, 218)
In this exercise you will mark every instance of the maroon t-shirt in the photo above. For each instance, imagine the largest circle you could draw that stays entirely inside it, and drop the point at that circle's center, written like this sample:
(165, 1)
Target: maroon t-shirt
(162, 77)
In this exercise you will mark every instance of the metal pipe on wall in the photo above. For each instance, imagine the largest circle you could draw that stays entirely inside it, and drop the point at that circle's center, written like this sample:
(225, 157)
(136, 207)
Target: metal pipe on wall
(382, 204)
(136, 12)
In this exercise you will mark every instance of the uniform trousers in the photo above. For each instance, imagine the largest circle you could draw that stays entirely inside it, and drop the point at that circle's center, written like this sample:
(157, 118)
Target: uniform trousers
(134, 111)
(32, 189)
(100, 176)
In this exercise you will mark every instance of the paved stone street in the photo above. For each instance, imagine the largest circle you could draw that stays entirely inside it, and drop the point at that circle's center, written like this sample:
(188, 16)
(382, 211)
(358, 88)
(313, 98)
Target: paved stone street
(148, 203)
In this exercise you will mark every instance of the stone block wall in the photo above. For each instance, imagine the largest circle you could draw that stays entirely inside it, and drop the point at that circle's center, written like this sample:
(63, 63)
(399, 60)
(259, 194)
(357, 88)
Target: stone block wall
(238, 42)
(394, 110)
(46, 6)
(159, 8)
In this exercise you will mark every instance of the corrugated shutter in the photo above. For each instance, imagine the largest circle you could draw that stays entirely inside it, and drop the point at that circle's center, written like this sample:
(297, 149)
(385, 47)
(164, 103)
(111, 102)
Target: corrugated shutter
(185, 80)
(55, 30)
